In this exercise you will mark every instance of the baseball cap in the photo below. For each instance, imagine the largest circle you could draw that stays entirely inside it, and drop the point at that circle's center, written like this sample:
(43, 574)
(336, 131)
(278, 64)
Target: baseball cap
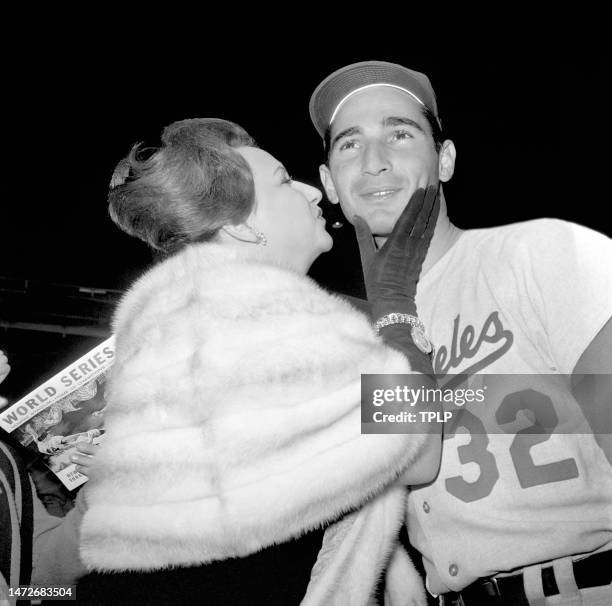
(332, 92)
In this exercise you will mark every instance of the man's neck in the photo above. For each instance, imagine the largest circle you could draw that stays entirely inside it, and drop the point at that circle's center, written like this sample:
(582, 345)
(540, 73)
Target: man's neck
(444, 237)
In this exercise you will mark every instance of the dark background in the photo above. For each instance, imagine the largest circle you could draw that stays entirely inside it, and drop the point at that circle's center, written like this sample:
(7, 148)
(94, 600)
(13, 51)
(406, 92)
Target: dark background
(525, 121)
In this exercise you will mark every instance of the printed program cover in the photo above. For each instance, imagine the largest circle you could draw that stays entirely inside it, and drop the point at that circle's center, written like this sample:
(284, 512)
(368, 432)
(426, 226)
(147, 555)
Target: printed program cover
(64, 410)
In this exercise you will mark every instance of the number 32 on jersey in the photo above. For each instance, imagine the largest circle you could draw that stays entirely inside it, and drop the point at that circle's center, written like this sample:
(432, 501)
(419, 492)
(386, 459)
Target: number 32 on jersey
(528, 473)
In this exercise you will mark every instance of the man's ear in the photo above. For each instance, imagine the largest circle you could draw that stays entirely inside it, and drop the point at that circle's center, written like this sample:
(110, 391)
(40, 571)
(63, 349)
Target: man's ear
(241, 232)
(328, 184)
(446, 161)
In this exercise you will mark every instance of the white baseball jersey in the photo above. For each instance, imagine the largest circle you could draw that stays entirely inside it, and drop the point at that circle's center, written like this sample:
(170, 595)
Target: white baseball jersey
(523, 300)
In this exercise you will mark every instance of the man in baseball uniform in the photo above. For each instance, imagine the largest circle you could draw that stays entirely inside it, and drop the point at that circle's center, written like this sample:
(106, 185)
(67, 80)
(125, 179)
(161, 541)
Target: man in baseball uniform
(521, 510)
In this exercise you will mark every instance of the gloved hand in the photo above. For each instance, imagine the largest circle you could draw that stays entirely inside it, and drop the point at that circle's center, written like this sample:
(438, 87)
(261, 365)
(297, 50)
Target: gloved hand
(391, 274)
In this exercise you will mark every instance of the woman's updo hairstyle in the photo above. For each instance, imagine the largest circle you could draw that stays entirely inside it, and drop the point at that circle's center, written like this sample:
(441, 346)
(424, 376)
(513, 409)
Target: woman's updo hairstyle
(186, 190)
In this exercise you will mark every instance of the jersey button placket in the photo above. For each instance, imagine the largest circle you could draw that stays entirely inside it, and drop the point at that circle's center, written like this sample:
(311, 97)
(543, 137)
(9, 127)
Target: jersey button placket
(453, 570)
(426, 507)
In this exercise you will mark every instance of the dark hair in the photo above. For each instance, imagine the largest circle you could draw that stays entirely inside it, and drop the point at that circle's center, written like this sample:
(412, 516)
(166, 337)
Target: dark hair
(434, 126)
(185, 190)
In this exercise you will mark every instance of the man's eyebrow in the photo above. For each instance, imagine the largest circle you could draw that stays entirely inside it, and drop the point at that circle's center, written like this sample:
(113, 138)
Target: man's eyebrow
(397, 120)
(389, 121)
(347, 132)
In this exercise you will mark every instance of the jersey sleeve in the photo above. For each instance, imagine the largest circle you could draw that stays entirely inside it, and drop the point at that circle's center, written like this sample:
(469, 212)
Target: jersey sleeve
(568, 278)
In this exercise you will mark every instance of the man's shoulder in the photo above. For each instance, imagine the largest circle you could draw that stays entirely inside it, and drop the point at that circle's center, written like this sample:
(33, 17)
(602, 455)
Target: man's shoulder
(546, 234)
(545, 251)
(536, 228)
(525, 229)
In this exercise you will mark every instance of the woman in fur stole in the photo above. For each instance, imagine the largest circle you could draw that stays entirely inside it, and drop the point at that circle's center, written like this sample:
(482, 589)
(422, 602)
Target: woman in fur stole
(234, 470)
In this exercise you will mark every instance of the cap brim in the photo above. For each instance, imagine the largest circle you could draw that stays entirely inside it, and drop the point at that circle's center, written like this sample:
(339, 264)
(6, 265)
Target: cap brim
(337, 87)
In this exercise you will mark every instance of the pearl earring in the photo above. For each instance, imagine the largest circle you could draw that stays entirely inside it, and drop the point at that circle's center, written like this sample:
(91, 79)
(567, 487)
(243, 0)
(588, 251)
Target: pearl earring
(261, 239)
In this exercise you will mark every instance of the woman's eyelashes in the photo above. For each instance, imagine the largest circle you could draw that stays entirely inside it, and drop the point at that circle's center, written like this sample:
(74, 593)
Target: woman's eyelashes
(285, 177)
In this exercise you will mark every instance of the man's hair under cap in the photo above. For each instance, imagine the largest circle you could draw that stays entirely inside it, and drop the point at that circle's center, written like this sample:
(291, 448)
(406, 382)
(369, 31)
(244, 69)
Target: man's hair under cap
(332, 92)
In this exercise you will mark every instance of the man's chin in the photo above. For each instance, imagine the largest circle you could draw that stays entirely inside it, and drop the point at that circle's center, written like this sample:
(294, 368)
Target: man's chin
(381, 228)
(381, 221)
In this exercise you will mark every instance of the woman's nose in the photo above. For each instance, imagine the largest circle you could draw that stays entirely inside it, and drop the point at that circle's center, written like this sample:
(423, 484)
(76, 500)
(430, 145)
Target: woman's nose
(313, 194)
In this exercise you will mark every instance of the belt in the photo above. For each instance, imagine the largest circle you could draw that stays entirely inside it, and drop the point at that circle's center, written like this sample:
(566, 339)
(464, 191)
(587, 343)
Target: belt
(592, 571)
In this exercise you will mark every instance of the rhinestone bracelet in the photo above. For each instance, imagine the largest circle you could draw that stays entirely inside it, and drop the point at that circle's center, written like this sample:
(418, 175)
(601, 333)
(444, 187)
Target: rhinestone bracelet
(417, 332)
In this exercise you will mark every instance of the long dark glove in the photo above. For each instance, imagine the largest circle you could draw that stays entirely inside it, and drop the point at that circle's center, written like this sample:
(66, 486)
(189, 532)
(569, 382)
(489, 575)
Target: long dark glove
(391, 274)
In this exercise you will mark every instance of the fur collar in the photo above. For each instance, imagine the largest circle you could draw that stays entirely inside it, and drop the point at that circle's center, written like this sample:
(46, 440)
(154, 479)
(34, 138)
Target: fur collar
(233, 416)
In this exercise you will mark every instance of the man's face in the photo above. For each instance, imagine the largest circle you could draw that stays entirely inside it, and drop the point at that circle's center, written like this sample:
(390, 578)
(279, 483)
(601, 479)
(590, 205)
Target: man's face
(381, 152)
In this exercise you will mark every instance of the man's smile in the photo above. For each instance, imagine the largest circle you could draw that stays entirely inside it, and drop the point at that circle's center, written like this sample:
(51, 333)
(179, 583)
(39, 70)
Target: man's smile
(379, 192)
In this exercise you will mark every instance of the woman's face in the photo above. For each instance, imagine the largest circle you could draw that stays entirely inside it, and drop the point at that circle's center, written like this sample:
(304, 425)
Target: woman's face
(287, 212)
